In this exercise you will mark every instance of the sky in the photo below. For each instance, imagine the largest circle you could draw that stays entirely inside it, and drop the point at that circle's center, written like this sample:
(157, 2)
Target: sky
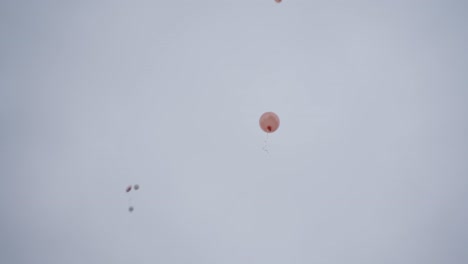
(368, 164)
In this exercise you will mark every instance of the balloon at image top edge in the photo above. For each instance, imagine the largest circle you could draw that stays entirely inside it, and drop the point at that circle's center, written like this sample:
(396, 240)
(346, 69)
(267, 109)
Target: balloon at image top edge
(269, 122)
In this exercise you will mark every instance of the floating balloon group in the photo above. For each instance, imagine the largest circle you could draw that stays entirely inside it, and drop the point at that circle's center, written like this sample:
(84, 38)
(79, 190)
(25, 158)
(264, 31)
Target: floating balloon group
(269, 122)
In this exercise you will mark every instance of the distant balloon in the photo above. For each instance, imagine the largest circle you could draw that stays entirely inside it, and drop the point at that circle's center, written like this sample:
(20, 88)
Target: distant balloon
(278, 1)
(269, 122)
(130, 209)
(129, 188)
(136, 187)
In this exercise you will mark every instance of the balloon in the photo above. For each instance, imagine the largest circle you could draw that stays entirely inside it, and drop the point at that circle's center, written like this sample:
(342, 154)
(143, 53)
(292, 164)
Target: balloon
(269, 122)
(136, 187)
(130, 209)
(129, 188)
(278, 1)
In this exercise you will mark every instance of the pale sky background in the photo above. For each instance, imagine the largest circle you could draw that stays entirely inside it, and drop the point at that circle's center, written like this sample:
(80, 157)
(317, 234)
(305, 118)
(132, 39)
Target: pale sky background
(369, 165)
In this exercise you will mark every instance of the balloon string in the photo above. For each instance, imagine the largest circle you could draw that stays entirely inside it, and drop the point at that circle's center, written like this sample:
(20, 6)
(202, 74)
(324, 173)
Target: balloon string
(265, 144)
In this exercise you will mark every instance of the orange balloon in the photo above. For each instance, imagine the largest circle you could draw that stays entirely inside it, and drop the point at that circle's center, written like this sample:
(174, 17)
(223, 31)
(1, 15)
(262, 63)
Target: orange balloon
(269, 122)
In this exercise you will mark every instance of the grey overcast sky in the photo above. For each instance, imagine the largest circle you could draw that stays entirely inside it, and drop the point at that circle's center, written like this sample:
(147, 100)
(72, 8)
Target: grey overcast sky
(368, 166)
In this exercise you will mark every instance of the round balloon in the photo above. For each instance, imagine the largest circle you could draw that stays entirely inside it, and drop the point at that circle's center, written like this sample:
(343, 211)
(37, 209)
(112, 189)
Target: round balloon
(278, 1)
(269, 122)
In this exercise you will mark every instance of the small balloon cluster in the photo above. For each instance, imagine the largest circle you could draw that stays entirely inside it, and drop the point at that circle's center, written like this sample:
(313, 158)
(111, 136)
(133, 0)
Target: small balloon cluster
(129, 188)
